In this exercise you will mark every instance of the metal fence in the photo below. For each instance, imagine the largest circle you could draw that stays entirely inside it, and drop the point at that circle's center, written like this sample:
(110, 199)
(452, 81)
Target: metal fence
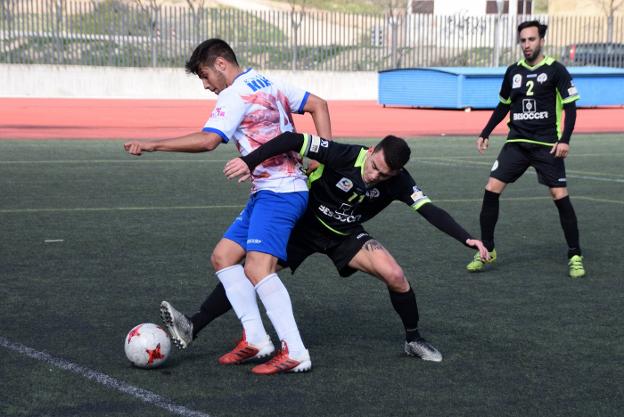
(116, 33)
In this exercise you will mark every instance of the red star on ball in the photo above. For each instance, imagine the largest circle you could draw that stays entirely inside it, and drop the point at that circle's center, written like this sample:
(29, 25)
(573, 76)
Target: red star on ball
(134, 332)
(154, 354)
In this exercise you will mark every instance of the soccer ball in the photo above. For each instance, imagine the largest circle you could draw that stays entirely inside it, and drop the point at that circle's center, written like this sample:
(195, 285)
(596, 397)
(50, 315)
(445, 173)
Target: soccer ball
(147, 345)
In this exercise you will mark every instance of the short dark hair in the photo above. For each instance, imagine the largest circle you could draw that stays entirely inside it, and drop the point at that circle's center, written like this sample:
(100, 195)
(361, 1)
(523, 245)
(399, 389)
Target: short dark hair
(207, 52)
(396, 151)
(541, 28)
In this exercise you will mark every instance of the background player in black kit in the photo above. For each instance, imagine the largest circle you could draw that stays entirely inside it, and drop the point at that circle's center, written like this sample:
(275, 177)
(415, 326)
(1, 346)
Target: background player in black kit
(352, 185)
(534, 91)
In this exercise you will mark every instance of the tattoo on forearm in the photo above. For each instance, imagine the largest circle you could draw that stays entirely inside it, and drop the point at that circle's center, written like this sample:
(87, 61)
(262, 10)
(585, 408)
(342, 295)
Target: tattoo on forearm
(372, 245)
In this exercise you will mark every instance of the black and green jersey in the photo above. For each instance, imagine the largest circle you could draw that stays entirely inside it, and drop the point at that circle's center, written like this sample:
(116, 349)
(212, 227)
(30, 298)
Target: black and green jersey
(536, 96)
(339, 198)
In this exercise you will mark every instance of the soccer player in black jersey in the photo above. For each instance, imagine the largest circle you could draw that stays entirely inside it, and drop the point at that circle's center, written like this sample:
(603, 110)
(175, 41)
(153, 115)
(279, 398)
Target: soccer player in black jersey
(535, 90)
(352, 185)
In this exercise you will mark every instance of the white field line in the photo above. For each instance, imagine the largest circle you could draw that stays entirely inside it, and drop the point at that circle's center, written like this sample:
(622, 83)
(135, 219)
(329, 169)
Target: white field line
(109, 382)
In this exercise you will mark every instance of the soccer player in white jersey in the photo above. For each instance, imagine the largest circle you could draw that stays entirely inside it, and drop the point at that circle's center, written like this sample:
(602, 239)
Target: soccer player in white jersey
(250, 110)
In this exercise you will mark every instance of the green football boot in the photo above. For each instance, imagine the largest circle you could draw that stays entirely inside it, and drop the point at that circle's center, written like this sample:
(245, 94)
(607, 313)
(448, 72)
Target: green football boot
(478, 265)
(576, 267)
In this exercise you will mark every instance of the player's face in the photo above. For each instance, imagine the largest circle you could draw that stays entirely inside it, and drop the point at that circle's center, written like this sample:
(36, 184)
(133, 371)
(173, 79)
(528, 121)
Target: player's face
(376, 169)
(531, 43)
(212, 78)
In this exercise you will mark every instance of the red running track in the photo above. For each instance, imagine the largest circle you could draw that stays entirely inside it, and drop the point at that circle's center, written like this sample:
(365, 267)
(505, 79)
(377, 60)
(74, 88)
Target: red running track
(36, 118)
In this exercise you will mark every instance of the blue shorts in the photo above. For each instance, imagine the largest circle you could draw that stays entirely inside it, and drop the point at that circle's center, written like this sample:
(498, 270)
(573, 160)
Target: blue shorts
(265, 223)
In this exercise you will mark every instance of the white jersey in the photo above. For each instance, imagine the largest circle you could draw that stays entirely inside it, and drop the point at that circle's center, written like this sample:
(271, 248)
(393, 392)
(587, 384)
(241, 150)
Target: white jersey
(252, 111)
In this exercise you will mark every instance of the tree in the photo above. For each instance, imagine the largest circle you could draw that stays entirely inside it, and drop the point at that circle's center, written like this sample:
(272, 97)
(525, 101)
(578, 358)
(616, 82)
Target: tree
(197, 10)
(152, 9)
(296, 17)
(609, 7)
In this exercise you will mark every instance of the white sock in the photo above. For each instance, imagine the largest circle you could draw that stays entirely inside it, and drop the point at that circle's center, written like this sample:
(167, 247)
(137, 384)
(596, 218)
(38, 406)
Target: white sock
(276, 300)
(242, 295)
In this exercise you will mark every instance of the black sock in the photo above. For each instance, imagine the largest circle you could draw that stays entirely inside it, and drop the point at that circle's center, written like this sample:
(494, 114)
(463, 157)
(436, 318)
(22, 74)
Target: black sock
(405, 305)
(488, 218)
(215, 305)
(567, 217)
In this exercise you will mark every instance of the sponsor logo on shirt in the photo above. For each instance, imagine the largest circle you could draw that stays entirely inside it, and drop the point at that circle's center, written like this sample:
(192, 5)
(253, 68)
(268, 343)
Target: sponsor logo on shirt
(495, 166)
(542, 78)
(345, 184)
(343, 214)
(324, 143)
(217, 113)
(314, 145)
(529, 111)
(562, 180)
(417, 194)
(361, 235)
(257, 83)
(517, 81)
(572, 91)
(372, 193)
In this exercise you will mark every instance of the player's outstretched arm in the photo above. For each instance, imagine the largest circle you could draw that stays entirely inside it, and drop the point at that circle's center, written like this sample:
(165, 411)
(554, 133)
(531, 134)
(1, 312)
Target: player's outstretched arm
(194, 142)
(318, 109)
(443, 221)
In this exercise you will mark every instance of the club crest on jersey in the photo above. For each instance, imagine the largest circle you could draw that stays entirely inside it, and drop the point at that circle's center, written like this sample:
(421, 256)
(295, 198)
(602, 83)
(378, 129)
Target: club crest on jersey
(372, 193)
(517, 81)
(542, 78)
(345, 184)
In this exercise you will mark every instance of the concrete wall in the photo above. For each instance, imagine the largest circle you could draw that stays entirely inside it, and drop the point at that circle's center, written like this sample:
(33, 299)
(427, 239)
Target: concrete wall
(110, 82)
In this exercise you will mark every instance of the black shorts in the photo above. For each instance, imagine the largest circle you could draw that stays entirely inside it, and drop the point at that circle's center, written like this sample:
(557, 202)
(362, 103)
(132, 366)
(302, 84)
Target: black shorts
(309, 236)
(515, 157)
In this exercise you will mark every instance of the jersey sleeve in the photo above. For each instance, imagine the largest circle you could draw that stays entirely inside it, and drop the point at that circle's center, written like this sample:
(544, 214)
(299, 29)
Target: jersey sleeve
(504, 96)
(296, 97)
(565, 86)
(331, 153)
(226, 115)
(409, 192)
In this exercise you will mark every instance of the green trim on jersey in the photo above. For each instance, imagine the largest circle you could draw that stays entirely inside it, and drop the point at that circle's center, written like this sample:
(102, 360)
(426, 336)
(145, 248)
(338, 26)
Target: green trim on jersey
(361, 158)
(504, 100)
(315, 175)
(306, 142)
(536, 142)
(331, 228)
(420, 203)
(548, 60)
(558, 112)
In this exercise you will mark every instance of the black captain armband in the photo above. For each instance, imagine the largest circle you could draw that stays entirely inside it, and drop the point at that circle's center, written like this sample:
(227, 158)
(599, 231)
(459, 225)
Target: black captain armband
(443, 221)
(286, 142)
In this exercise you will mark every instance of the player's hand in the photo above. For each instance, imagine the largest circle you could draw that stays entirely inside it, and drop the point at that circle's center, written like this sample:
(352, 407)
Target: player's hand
(560, 150)
(312, 165)
(482, 144)
(136, 148)
(237, 168)
(475, 243)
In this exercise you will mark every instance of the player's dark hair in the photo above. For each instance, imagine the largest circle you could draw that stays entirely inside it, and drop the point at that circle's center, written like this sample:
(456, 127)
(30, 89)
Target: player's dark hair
(396, 151)
(541, 28)
(207, 52)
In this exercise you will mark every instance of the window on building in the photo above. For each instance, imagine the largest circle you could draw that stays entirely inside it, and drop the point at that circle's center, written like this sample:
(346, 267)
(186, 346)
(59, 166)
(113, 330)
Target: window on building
(491, 7)
(522, 4)
(425, 7)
